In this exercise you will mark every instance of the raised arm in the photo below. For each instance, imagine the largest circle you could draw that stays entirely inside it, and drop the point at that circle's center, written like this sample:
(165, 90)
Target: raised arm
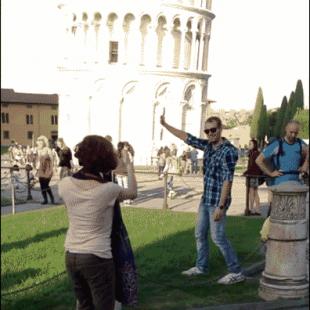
(176, 132)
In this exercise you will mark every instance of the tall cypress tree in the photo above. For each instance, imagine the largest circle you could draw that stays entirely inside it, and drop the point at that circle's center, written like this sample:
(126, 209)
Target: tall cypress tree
(289, 111)
(263, 125)
(279, 119)
(299, 97)
(255, 123)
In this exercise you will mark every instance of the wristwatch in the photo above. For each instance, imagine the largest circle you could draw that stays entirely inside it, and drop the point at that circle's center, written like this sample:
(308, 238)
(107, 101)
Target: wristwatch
(222, 207)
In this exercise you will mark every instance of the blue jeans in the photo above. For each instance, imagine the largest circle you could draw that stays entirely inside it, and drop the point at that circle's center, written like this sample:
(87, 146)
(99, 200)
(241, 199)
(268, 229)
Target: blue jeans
(204, 223)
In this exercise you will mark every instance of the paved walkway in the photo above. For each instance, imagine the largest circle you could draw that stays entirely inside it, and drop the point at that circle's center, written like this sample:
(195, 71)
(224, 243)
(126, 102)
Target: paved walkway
(150, 195)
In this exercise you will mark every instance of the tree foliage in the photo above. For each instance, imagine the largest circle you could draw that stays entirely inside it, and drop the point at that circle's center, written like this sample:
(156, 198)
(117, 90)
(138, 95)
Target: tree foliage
(299, 96)
(303, 117)
(279, 118)
(288, 114)
(272, 119)
(256, 120)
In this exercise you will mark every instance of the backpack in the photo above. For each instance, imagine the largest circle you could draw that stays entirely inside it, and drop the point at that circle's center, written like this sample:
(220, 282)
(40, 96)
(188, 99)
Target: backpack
(281, 152)
(276, 166)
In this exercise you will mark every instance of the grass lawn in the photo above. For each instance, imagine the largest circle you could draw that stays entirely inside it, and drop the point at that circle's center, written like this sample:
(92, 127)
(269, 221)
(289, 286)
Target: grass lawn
(32, 251)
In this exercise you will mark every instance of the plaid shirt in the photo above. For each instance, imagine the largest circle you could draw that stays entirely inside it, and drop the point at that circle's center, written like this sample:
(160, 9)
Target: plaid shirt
(218, 166)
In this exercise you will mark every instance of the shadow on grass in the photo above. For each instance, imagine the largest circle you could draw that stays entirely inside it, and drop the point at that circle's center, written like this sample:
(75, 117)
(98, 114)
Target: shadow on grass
(149, 194)
(37, 238)
(161, 285)
(14, 278)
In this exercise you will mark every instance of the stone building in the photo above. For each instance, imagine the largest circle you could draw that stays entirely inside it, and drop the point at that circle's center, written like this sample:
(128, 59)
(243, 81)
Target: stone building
(25, 116)
(125, 62)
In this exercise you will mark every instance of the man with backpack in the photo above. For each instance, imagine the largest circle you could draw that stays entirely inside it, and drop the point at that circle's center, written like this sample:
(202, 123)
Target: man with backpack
(288, 157)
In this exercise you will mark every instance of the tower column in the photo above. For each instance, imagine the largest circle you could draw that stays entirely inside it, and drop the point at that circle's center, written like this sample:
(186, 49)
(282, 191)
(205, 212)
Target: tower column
(201, 45)
(193, 46)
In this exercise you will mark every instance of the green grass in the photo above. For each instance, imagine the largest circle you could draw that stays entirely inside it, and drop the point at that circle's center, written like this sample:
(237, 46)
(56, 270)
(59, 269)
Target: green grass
(163, 241)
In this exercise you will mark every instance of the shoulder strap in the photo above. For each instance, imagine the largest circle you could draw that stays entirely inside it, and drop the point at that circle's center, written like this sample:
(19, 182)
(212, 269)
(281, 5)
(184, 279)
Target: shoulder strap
(279, 153)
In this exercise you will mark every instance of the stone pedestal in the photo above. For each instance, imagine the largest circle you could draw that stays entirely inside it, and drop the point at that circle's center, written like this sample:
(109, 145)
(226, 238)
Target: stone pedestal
(285, 274)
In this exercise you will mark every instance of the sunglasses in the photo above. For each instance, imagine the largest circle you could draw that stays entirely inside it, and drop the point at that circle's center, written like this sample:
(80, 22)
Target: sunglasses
(213, 130)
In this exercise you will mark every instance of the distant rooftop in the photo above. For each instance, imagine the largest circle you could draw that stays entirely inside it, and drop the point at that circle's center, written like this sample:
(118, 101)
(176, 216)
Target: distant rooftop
(8, 95)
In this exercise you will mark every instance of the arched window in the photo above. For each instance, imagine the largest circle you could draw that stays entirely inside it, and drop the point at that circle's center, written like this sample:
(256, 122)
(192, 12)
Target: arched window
(160, 104)
(188, 107)
(113, 43)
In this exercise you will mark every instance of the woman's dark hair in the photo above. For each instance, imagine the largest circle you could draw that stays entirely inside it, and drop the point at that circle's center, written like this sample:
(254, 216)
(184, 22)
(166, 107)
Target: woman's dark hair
(255, 143)
(96, 154)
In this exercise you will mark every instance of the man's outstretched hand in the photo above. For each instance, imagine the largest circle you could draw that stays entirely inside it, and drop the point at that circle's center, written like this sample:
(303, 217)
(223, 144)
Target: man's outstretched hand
(162, 120)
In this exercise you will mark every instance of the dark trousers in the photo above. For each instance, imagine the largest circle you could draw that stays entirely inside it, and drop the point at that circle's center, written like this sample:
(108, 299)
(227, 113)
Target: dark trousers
(93, 280)
(45, 189)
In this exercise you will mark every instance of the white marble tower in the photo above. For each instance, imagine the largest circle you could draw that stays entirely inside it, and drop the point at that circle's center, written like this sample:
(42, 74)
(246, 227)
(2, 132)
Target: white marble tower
(125, 61)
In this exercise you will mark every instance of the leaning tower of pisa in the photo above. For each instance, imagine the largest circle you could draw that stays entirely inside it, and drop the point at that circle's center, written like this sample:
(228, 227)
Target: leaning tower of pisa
(125, 62)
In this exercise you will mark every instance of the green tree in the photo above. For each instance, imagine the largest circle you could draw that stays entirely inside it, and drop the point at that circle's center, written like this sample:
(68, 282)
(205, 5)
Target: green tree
(303, 117)
(255, 129)
(299, 96)
(279, 118)
(264, 125)
(272, 119)
(288, 112)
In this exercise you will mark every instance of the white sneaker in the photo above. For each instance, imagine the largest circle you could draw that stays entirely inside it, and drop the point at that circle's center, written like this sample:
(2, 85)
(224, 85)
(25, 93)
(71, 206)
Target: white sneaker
(231, 278)
(194, 271)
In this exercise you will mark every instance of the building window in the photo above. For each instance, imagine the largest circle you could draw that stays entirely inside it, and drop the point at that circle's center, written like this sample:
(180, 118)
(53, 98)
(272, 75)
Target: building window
(113, 56)
(54, 119)
(6, 134)
(29, 119)
(54, 107)
(4, 117)
(4, 105)
(29, 135)
(29, 106)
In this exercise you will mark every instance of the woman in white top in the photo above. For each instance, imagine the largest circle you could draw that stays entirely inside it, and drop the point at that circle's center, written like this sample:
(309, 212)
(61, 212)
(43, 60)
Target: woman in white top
(89, 200)
(44, 168)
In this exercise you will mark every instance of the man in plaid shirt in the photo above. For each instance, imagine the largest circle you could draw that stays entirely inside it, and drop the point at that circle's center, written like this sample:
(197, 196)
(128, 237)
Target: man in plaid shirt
(219, 161)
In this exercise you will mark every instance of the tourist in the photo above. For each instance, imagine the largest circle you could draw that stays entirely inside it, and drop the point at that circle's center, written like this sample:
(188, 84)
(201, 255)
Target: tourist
(161, 162)
(121, 173)
(220, 158)
(285, 158)
(64, 158)
(44, 168)
(194, 160)
(90, 200)
(253, 173)
(170, 169)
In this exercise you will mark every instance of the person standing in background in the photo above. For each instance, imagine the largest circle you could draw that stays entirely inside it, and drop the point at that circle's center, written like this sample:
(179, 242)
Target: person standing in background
(64, 158)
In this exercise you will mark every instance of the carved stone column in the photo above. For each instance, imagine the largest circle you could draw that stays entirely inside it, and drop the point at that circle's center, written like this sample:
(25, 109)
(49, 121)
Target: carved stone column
(193, 63)
(182, 47)
(205, 52)
(285, 274)
(201, 45)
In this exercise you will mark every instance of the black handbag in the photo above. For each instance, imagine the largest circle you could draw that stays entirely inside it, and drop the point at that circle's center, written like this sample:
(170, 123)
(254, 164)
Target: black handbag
(126, 286)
